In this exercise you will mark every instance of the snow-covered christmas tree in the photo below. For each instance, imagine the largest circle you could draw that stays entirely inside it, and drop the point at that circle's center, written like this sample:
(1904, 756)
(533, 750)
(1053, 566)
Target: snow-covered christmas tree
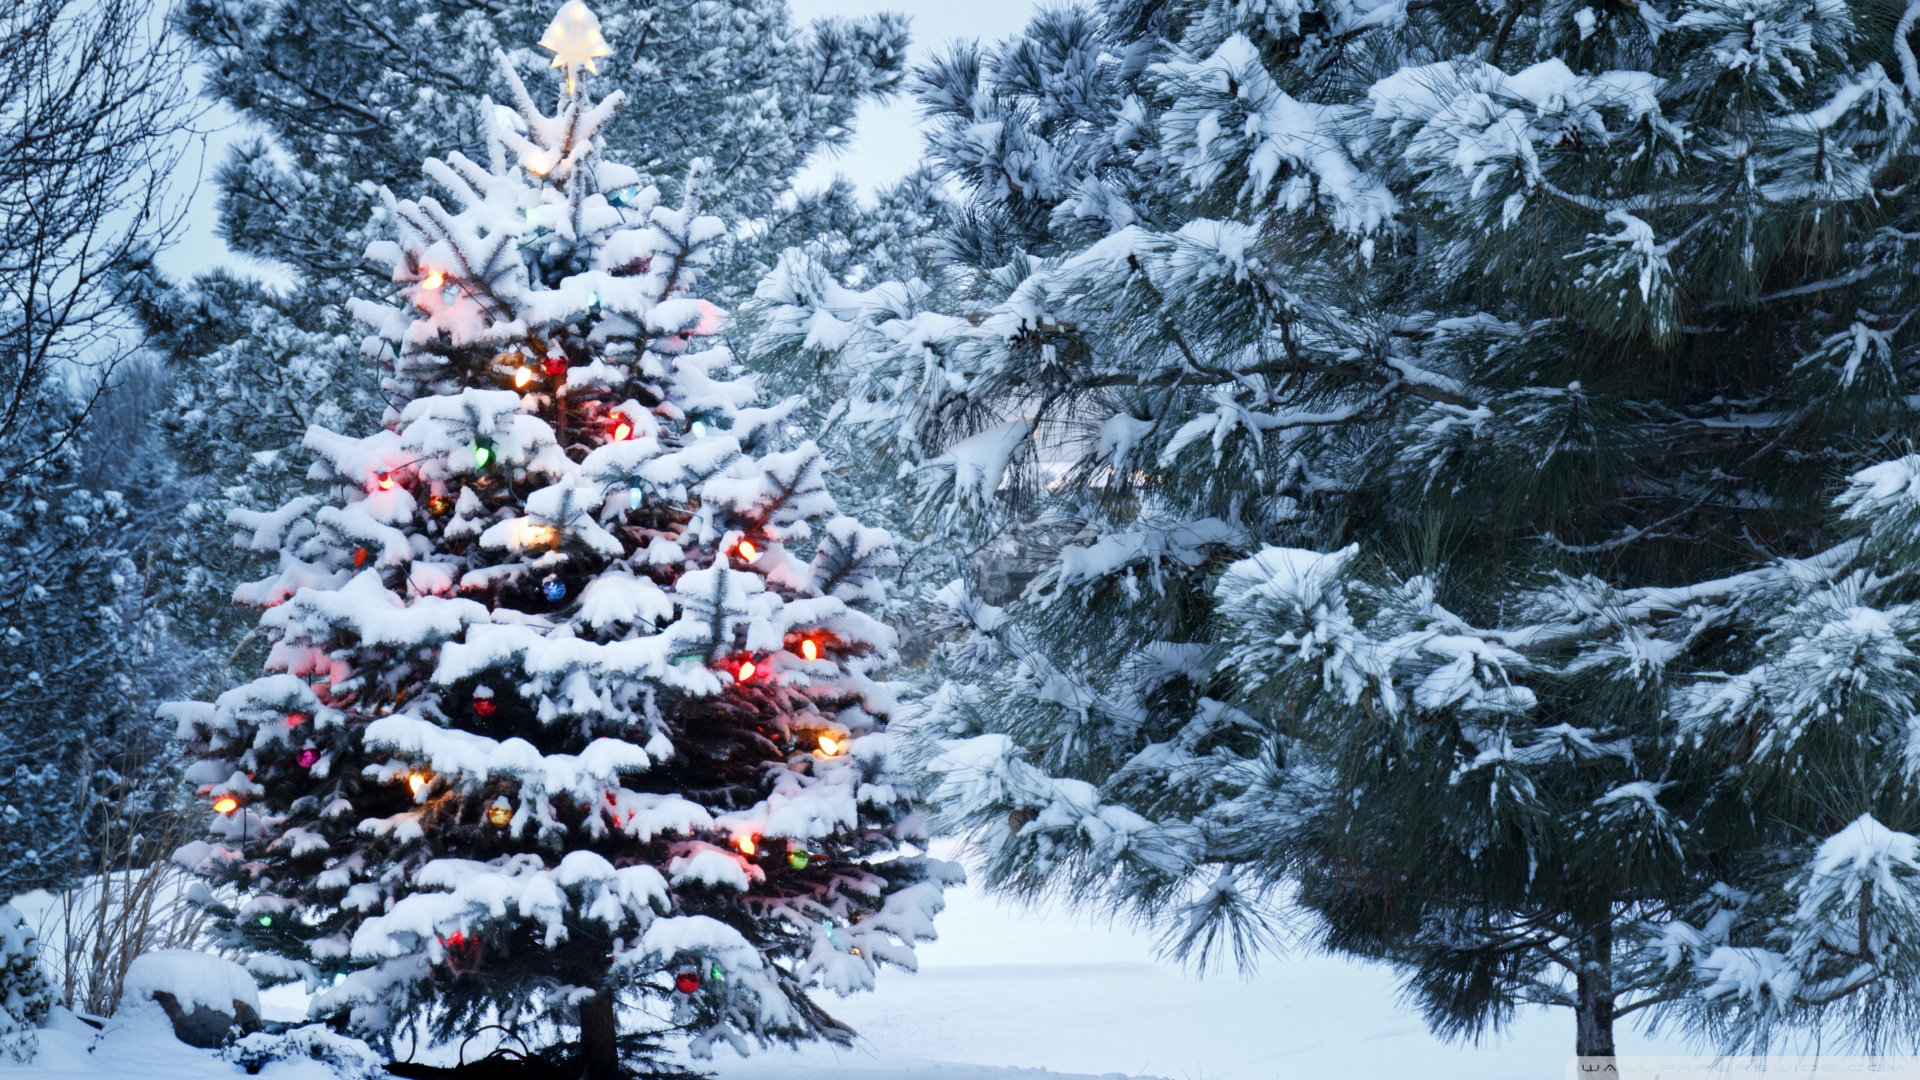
(572, 703)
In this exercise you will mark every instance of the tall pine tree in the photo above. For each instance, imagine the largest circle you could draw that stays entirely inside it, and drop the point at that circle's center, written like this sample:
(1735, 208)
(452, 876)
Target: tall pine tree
(1423, 420)
(572, 703)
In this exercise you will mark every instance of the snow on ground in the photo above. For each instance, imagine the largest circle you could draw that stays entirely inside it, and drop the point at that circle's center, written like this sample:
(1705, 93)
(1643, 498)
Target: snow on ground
(1047, 990)
(138, 1045)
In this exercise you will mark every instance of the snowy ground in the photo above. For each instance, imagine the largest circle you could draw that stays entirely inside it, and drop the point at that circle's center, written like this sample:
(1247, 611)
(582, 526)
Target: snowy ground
(1017, 990)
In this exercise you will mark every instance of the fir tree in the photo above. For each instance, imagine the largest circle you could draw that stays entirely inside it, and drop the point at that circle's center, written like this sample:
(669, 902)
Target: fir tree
(572, 701)
(1416, 411)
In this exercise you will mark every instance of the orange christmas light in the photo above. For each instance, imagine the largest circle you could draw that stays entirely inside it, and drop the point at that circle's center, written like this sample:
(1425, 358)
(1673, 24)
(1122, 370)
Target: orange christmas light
(418, 783)
(434, 280)
(809, 650)
(748, 551)
(747, 846)
(226, 804)
(829, 745)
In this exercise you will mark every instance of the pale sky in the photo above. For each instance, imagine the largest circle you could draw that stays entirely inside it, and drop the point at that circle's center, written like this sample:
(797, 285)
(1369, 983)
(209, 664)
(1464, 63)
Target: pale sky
(886, 144)
(885, 147)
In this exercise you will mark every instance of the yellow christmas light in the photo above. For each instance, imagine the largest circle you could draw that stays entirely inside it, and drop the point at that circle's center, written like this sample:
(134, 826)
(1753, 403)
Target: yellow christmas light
(522, 376)
(537, 163)
(574, 39)
(809, 651)
(829, 745)
(433, 281)
(418, 783)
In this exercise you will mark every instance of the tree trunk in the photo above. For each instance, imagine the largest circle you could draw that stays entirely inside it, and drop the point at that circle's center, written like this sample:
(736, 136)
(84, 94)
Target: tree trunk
(1593, 991)
(598, 1031)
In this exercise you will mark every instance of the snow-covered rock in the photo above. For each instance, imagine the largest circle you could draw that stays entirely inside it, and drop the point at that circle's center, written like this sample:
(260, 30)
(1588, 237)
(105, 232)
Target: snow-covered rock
(204, 997)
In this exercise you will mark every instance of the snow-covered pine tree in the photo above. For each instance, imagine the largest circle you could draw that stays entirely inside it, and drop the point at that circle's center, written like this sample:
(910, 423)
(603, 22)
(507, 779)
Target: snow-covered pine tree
(347, 95)
(84, 654)
(572, 704)
(1437, 396)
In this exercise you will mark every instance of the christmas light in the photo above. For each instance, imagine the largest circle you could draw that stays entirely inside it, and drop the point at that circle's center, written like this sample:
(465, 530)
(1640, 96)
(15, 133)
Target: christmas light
(482, 454)
(295, 719)
(537, 163)
(433, 281)
(385, 480)
(747, 846)
(522, 375)
(439, 505)
(500, 813)
(829, 745)
(748, 551)
(554, 590)
(529, 534)
(225, 804)
(633, 498)
(687, 982)
(483, 707)
(746, 670)
(419, 783)
(360, 556)
(809, 651)
(574, 38)
(798, 859)
(554, 365)
(266, 920)
(622, 431)
(307, 758)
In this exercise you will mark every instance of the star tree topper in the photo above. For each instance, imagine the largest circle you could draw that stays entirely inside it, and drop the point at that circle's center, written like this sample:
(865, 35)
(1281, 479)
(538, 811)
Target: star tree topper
(574, 37)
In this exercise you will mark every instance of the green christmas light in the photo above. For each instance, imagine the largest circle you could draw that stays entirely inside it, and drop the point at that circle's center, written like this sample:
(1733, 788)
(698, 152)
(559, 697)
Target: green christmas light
(482, 455)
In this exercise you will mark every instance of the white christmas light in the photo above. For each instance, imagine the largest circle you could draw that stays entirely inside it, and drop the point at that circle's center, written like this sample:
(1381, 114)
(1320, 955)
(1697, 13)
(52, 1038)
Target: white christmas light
(574, 38)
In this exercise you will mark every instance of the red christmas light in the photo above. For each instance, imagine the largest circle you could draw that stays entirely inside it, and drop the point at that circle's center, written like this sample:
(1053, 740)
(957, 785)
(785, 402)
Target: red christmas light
(622, 431)
(748, 551)
(554, 366)
(746, 671)
(295, 719)
(483, 707)
(809, 650)
(307, 758)
(687, 982)
(385, 480)
(360, 556)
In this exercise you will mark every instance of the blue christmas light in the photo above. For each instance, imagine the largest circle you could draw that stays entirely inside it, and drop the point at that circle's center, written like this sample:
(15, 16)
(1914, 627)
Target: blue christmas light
(555, 590)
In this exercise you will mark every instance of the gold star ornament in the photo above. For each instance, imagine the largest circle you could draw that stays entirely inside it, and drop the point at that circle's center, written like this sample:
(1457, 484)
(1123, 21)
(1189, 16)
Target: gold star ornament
(574, 38)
